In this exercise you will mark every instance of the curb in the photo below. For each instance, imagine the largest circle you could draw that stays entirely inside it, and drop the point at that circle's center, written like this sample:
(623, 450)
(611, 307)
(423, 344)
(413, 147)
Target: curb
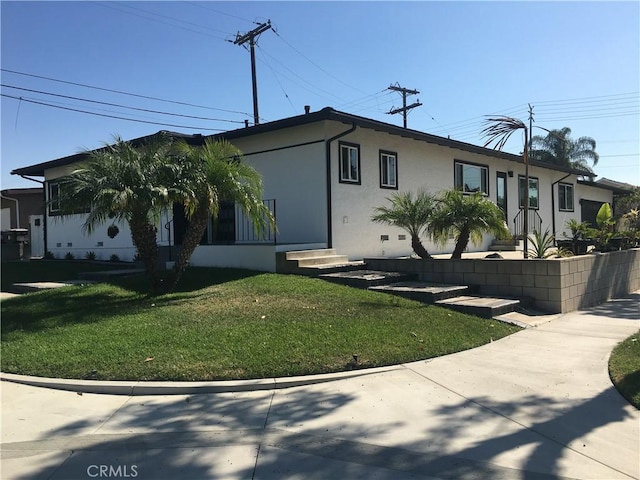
(135, 388)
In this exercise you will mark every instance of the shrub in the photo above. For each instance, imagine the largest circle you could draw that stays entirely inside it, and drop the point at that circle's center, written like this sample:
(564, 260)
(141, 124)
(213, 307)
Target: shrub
(90, 256)
(114, 258)
(49, 255)
(69, 256)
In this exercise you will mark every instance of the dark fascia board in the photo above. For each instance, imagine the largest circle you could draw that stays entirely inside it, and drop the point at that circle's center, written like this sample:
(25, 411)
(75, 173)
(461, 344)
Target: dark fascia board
(39, 169)
(326, 114)
(21, 191)
(617, 190)
(329, 113)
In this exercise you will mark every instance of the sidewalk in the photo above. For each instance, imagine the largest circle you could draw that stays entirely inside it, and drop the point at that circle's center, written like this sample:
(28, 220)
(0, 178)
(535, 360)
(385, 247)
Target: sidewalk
(535, 405)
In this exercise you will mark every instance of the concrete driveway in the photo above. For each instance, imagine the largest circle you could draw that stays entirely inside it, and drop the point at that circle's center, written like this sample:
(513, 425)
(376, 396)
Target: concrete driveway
(536, 405)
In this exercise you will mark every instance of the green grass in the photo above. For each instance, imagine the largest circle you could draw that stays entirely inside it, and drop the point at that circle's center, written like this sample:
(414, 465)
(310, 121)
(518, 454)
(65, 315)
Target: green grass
(48, 271)
(226, 324)
(624, 369)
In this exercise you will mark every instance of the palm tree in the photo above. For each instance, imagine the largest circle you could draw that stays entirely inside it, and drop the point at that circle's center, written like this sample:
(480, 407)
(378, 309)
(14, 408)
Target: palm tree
(558, 148)
(122, 182)
(411, 215)
(466, 217)
(498, 130)
(211, 174)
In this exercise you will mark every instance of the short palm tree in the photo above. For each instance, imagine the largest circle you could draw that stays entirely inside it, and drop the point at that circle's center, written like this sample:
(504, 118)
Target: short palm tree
(558, 148)
(466, 217)
(123, 182)
(211, 174)
(412, 215)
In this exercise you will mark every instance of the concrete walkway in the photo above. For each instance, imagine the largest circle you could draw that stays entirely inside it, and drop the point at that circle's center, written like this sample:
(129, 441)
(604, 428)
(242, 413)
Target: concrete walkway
(535, 405)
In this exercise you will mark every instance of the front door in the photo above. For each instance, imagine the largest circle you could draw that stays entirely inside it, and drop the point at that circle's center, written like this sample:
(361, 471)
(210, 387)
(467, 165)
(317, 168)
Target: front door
(501, 193)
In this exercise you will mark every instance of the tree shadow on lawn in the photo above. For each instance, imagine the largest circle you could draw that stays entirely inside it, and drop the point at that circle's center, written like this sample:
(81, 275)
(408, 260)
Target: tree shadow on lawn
(87, 304)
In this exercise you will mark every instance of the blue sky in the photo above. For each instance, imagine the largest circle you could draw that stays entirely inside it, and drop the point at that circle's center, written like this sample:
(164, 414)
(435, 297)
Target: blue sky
(576, 63)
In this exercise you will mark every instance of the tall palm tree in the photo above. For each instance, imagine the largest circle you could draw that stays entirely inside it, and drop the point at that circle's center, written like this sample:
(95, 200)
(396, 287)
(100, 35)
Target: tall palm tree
(211, 174)
(498, 130)
(558, 148)
(467, 218)
(122, 182)
(412, 215)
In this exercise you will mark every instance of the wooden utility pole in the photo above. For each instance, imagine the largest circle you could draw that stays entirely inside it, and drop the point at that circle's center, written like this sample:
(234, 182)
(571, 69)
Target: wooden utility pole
(251, 38)
(405, 108)
(526, 157)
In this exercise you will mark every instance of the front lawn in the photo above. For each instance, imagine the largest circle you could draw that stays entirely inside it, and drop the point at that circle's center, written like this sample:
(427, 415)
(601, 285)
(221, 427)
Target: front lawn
(226, 324)
(624, 369)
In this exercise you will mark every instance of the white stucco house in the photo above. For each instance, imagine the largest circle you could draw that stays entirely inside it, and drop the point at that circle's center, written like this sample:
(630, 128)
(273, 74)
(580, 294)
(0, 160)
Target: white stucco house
(323, 174)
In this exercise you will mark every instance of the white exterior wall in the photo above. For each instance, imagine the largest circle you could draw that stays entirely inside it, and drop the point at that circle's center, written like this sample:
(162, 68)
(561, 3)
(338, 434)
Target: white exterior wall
(295, 178)
(428, 166)
(65, 234)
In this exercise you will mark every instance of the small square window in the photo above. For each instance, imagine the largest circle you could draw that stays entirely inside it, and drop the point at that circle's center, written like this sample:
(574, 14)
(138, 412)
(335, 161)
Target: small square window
(388, 170)
(349, 163)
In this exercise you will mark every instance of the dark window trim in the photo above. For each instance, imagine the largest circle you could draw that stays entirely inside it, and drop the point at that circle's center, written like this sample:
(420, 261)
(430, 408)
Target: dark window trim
(573, 200)
(457, 161)
(342, 180)
(395, 155)
(56, 212)
(530, 178)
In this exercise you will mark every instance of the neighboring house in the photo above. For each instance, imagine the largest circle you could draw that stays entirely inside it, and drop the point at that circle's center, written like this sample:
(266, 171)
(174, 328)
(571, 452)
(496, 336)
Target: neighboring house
(323, 173)
(22, 216)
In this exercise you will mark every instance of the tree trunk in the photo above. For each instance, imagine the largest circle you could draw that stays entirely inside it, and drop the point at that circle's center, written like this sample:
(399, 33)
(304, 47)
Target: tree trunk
(417, 246)
(461, 243)
(197, 226)
(144, 238)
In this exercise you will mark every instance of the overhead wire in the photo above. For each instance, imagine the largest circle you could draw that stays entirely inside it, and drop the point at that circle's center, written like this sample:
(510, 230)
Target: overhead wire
(28, 100)
(123, 92)
(119, 105)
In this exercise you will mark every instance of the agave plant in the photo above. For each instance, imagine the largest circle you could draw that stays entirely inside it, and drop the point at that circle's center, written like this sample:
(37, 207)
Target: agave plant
(542, 245)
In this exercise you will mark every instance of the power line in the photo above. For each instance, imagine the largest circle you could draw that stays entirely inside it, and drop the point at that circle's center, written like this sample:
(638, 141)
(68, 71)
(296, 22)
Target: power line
(120, 92)
(315, 64)
(118, 105)
(28, 100)
(279, 83)
(113, 7)
(199, 4)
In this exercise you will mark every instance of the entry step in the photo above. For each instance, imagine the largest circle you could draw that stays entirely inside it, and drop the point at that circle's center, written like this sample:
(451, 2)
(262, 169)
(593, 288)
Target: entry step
(422, 291)
(367, 278)
(487, 307)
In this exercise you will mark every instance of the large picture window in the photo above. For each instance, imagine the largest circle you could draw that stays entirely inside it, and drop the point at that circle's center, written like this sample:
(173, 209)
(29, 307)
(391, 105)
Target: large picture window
(388, 170)
(349, 163)
(471, 178)
(565, 197)
(534, 193)
(54, 199)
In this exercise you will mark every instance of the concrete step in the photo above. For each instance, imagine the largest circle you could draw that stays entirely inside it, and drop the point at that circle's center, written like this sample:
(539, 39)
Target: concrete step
(317, 270)
(422, 291)
(367, 278)
(300, 254)
(481, 306)
(506, 245)
(323, 260)
(40, 286)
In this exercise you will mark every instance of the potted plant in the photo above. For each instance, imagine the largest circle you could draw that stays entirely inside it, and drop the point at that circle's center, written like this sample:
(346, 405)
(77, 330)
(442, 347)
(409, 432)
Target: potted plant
(579, 237)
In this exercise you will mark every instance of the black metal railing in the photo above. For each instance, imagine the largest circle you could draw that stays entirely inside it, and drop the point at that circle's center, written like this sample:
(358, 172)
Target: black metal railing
(535, 222)
(246, 232)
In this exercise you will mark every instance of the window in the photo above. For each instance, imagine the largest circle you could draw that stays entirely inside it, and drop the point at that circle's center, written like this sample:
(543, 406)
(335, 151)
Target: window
(54, 199)
(534, 193)
(388, 170)
(55, 207)
(565, 197)
(471, 178)
(349, 163)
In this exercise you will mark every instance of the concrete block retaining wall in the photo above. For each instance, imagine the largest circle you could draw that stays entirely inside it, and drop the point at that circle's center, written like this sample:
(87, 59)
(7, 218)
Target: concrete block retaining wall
(555, 285)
